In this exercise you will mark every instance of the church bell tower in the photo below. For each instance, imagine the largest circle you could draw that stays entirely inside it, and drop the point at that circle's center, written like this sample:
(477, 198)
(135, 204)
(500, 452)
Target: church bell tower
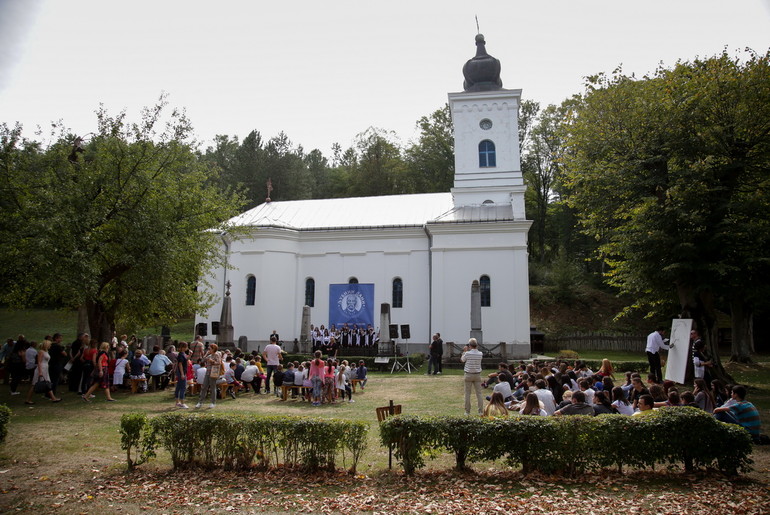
(486, 134)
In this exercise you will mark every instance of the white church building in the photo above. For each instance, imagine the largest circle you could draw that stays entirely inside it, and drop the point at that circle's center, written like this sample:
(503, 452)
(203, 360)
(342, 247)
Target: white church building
(420, 254)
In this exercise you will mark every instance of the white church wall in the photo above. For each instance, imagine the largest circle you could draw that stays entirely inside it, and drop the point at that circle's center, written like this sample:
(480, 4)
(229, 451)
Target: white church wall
(462, 256)
(501, 108)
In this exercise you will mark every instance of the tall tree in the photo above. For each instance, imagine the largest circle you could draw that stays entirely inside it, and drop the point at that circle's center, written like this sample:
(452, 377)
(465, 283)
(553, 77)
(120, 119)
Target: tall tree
(119, 223)
(431, 160)
(663, 169)
(541, 165)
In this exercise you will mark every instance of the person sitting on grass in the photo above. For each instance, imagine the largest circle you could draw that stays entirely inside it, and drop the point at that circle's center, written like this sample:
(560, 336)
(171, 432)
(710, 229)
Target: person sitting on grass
(602, 405)
(638, 389)
(620, 403)
(606, 369)
(585, 387)
(532, 405)
(566, 399)
(688, 399)
(578, 406)
(646, 403)
(496, 406)
(504, 388)
(741, 412)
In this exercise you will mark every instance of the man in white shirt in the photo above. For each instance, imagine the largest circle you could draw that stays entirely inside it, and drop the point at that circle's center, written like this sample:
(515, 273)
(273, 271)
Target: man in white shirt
(545, 396)
(472, 359)
(272, 356)
(655, 342)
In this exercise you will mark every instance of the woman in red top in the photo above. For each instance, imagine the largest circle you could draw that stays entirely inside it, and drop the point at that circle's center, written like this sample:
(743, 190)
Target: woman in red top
(316, 376)
(88, 357)
(101, 375)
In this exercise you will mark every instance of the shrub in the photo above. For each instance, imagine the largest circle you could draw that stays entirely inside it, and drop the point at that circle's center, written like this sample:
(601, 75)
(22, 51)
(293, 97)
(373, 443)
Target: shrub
(136, 439)
(5, 419)
(573, 445)
(234, 441)
(567, 355)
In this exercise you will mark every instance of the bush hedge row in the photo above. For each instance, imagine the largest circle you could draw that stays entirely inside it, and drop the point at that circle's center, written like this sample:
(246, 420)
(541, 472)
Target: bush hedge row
(572, 445)
(210, 440)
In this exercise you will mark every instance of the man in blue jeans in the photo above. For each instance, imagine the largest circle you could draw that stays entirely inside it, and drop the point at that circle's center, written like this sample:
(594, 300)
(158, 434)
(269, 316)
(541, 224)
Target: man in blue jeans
(272, 356)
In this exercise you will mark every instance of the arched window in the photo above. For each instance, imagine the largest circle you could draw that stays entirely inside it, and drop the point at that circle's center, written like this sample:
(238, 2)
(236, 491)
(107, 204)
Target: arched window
(251, 290)
(310, 292)
(487, 154)
(353, 280)
(486, 291)
(398, 293)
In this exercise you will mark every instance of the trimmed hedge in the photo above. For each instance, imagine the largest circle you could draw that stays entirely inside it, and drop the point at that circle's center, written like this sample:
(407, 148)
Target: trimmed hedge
(572, 445)
(5, 419)
(227, 440)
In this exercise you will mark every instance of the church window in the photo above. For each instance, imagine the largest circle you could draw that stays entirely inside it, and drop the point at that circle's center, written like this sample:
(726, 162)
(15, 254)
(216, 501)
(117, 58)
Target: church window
(487, 154)
(310, 292)
(486, 291)
(353, 280)
(398, 293)
(251, 290)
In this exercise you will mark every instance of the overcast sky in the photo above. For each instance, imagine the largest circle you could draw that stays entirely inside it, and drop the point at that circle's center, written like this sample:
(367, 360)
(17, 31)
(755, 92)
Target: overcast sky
(323, 72)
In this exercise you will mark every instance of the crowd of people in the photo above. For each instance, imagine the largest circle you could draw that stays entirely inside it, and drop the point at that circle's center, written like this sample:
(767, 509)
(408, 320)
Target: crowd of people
(87, 366)
(330, 340)
(559, 388)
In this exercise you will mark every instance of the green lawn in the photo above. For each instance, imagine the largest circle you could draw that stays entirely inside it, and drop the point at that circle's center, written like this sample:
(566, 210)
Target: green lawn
(53, 448)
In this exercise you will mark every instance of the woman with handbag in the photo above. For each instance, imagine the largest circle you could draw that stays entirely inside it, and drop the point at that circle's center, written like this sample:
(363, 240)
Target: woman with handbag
(41, 375)
(213, 363)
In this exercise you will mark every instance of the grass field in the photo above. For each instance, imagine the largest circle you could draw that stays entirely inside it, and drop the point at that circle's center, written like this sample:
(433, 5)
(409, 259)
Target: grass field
(52, 447)
(66, 458)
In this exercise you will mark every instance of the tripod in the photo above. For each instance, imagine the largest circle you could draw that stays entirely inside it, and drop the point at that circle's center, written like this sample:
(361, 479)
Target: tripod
(407, 365)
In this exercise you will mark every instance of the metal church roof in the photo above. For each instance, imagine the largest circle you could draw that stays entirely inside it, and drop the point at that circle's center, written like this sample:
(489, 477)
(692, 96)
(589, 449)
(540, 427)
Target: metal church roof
(346, 213)
(368, 212)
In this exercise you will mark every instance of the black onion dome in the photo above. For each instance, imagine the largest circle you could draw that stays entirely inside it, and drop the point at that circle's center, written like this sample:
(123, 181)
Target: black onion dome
(482, 73)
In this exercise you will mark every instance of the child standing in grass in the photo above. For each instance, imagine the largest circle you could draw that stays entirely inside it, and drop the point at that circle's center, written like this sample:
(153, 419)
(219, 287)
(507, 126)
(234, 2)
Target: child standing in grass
(329, 382)
(343, 385)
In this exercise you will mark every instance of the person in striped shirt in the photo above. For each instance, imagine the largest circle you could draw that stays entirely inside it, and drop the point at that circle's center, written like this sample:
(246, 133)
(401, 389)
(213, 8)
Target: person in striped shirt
(741, 412)
(472, 359)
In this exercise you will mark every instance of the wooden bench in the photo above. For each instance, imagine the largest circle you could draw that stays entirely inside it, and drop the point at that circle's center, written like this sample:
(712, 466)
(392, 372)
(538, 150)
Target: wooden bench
(354, 382)
(223, 389)
(135, 384)
(285, 390)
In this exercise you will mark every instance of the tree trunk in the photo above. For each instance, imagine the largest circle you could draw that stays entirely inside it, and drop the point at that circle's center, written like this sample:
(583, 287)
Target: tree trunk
(83, 320)
(699, 305)
(100, 321)
(743, 329)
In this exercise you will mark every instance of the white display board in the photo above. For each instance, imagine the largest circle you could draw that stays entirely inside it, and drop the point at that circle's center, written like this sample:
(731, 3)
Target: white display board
(679, 353)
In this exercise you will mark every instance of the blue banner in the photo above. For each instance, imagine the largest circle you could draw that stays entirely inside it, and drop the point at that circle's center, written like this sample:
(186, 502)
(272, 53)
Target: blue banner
(351, 304)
